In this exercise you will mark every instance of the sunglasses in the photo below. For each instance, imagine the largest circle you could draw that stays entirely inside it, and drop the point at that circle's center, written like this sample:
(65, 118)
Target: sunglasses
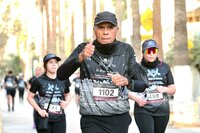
(151, 50)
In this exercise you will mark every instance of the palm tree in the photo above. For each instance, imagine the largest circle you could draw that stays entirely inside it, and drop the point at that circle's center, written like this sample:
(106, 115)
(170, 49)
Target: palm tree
(181, 56)
(182, 70)
(51, 25)
(61, 30)
(136, 39)
(72, 32)
(119, 14)
(157, 28)
(94, 10)
(84, 21)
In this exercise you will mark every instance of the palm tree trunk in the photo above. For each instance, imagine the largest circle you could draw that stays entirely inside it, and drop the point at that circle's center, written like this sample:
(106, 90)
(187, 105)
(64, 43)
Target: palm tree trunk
(157, 28)
(51, 26)
(61, 30)
(181, 56)
(72, 33)
(84, 21)
(136, 39)
(182, 71)
(119, 16)
(94, 10)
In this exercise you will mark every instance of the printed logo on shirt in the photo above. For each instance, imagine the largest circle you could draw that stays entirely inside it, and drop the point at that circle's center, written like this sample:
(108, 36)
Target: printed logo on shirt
(153, 72)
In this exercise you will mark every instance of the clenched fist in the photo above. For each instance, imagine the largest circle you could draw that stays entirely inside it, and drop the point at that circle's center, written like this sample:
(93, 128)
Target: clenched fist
(88, 51)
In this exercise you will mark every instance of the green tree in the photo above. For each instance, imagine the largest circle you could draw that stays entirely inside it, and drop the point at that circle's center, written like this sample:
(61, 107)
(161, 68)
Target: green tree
(169, 56)
(195, 52)
(12, 26)
(11, 63)
(146, 19)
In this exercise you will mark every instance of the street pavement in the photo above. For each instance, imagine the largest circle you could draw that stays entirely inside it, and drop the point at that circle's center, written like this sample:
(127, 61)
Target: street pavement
(21, 120)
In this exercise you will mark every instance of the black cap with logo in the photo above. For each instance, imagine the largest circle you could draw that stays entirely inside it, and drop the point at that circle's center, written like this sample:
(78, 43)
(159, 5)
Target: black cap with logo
(105, 17)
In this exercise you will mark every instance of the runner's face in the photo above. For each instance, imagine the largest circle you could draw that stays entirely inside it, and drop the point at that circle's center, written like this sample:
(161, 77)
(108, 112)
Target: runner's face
(105, 32)
(52, 66)
(38, 71)
(150, 54)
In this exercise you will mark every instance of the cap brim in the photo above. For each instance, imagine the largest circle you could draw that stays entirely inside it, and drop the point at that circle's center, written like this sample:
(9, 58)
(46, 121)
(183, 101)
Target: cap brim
(150, 47)
(105, 21)
(57, 58)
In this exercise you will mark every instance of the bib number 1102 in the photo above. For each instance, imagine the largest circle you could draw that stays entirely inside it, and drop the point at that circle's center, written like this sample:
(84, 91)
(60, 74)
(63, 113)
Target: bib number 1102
(105, 93)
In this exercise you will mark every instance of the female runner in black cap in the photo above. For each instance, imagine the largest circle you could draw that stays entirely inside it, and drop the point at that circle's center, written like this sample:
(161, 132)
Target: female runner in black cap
(49, 87)
(154, 115)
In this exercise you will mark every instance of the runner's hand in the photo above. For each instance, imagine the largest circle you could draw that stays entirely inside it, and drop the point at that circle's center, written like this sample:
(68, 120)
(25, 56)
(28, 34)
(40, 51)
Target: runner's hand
(88, 51)
(162, 89)
(137, 98)
(63, 104)
(43, 113)
(118, 79)
(141, 101)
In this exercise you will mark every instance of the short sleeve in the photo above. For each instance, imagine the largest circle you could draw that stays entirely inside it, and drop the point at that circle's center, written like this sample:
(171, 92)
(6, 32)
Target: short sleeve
(170, 79)
(67, 85)
(35, 86)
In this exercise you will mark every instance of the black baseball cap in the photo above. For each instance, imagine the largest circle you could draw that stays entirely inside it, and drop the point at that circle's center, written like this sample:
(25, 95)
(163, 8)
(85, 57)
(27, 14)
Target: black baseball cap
(51, 56)
(150, 43)
(105, 16)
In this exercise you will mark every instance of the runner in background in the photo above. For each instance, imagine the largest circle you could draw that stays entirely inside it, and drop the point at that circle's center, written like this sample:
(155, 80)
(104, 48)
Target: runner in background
(10, 84)
(76, 82)
(1, 83)
(22, 85)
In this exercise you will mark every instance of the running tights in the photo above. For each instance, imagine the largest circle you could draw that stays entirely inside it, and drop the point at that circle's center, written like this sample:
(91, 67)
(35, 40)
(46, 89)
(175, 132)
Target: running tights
(151, 124)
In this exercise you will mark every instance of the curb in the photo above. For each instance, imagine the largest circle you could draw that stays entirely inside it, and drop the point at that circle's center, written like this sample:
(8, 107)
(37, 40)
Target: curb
(1, 131)
(1, 127)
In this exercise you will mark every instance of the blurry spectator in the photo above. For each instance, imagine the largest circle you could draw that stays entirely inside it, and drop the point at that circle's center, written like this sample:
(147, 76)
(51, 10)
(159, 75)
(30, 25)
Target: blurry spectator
(38, 72)
(76, 82)
(1, 83)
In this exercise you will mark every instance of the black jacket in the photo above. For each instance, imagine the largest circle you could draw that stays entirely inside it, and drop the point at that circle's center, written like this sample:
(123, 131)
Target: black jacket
(120, 59)
(124, 62)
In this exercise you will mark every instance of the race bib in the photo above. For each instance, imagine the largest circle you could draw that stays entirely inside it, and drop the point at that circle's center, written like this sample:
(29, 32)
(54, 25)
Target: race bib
(105, 94)
(53, 108)
(154, 96)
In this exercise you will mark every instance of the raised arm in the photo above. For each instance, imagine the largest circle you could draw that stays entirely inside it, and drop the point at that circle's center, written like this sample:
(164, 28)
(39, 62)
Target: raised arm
(70, 65)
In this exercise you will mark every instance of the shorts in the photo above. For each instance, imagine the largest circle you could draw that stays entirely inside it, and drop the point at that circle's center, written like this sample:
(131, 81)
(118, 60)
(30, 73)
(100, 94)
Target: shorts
(105, 124)
(11, 91)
